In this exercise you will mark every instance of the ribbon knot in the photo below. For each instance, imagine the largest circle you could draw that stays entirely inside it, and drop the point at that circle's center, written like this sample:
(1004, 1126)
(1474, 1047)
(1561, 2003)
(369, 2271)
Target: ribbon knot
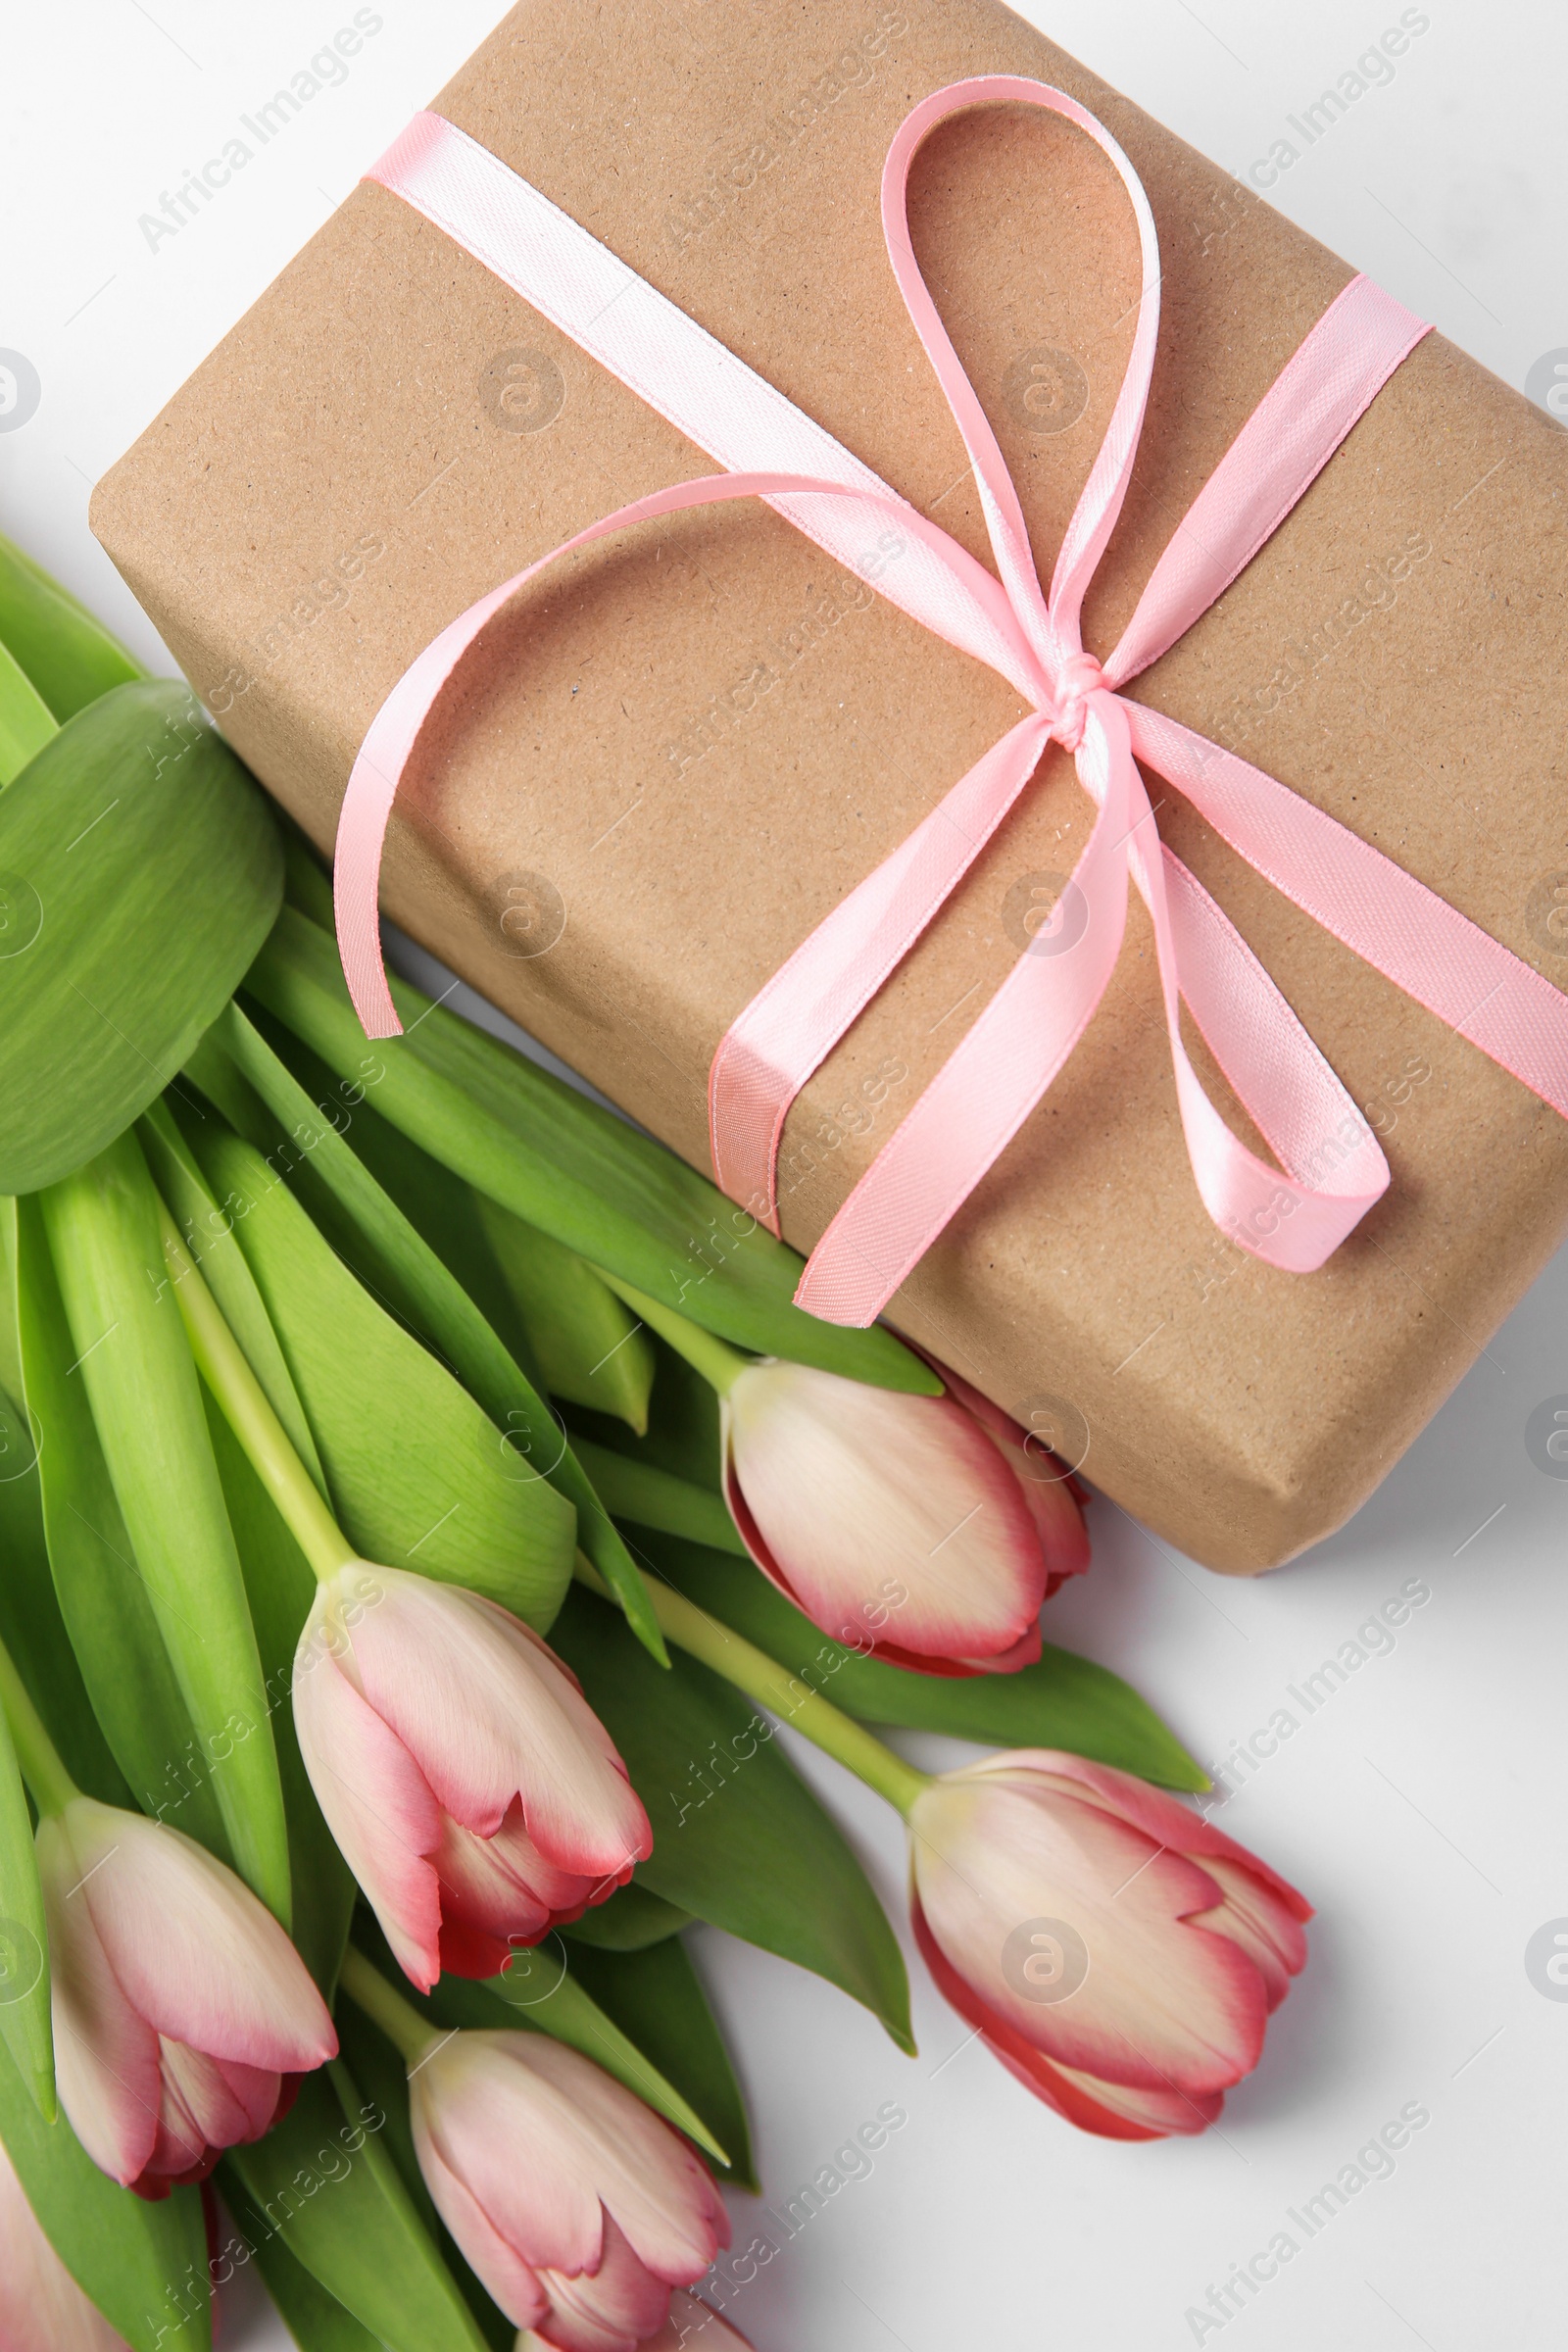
(1079, 677)
(1327, 1169)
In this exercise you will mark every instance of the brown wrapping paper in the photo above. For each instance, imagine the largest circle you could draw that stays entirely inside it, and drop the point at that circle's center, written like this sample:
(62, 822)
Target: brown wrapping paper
(670, 759)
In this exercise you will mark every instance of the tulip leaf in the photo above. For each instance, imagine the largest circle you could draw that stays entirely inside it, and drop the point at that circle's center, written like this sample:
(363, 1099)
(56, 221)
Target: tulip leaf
(1064, 1701)
(281, 1587)
(569, 1167)
(139, 871)
(324, 2183)
(144, 2265)
(68, 654)
(26, 721)
(425, 1291)
(649, 1496)
(317, 2321)
(142, 1382)
(740, 1841)
(101, 1587)
(587, 1345)
(657, 1997)
(420, 1476)
(30, 1624)
(633, 1918)
(208, 1233)
(24, 1940)
(683, 1424)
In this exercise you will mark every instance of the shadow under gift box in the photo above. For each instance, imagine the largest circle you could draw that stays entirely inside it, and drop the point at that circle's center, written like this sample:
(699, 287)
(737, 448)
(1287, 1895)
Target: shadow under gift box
(670, 760)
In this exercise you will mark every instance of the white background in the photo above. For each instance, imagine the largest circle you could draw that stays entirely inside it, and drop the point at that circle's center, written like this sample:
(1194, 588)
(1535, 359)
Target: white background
(1422, 1807)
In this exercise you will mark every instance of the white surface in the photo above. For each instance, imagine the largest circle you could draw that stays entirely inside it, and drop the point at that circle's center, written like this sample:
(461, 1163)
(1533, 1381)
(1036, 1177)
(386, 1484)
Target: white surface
(1421, 1806)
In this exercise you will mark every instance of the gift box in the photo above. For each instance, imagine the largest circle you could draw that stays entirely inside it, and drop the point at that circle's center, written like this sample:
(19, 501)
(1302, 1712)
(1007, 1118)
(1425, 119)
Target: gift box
(674, 754)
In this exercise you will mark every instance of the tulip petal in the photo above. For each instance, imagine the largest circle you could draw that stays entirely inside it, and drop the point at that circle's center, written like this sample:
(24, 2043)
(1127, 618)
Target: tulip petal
(592, 2148)
(1110, 2110)
(378, 1806)
(1254, 1916)
(506, 2278)
(1160, 1816)
(200, 1959)
(1163, 2003)
(106, 2055)
(841, 1491)
(491, 1716)
(42, 2309)
(1048, 1491)
(615, 2308)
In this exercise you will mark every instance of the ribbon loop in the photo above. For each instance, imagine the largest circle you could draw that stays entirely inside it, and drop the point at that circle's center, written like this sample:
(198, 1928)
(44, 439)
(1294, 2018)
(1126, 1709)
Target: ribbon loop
(1330, 1170)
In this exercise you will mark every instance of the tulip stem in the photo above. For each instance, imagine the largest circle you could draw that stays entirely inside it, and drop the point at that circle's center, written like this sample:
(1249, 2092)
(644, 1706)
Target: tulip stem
(720, 1364)
(243, 1401)
(776, 1689)
(40, 1760)
(412, 2035)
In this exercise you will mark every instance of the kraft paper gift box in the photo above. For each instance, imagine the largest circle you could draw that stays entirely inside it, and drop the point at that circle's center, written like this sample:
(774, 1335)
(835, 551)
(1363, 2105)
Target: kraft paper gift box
(673, 756)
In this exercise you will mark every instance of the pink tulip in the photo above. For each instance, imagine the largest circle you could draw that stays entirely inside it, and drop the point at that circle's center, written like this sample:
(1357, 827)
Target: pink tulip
(180, 2007)
(578, 2209)
(475, 1795)
(916, 1529)
(42, 2309)
(1119, 1955)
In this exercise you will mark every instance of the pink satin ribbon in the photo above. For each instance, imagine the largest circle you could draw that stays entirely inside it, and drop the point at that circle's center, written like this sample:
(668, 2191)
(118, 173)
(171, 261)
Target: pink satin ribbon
(1331, 1168)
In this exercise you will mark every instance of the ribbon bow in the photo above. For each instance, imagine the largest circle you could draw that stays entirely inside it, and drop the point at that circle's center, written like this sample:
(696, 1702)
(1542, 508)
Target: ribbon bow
(1331, 1168)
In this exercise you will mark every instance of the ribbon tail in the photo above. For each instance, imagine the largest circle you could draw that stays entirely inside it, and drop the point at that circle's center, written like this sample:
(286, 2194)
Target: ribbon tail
(1332, 1168)
(991, 1081)
(791, 1024)
(1475, 984)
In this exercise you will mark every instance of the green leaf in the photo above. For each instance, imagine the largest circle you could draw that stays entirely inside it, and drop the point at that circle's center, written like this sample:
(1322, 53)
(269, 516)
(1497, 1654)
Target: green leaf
(420, 1477)
(738, 1838)
(430, 1295)
(633, 1918)
(69, 655)
(586, 1343)
(280, 1588)
(26, 721)
(209, 1239)
(574, 1170)
(324, 2183)
(30, 1624)
(657, 1997)
(103, 1593)
(144, 2265)
(315, 2319)
(24, 1940)
(652, 1497)
(1064, 1702)
(131, 1351)
(141, 873)
(683, 1424)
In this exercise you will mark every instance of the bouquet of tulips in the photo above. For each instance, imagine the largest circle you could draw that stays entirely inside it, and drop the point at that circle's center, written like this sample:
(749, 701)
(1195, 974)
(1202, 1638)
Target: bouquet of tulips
(419, 1504)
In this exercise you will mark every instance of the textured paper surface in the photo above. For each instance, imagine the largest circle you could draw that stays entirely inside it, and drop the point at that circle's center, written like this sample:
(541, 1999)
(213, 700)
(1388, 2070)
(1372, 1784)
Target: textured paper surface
(665, 764)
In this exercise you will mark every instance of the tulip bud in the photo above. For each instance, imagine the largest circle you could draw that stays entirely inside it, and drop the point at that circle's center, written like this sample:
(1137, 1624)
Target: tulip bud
(180, 2007)
(577, 2208)
(42, 2309)
(1119, 1955)
(916, 1529)
(474, 1793)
